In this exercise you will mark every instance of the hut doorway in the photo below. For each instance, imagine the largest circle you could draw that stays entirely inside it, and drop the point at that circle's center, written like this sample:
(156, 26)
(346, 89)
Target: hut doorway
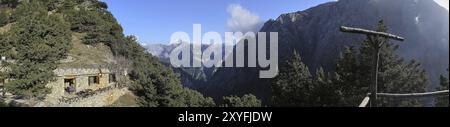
(69, 85)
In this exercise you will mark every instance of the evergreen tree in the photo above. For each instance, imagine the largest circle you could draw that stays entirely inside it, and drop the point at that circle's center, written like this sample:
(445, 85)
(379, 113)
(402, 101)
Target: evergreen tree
(146, 77)
(193, 98)
(3, 104)
(248, 100)
(293, 86)
(395, 75)
(26, 9)
(98, 23)
(5, 45)
(158, 86)
(9, 3)
(443, 100)
(325, 93)
(40, 41)
(101, 5)
(5, 51)
(4, 18)
(351, 77)
(51, 4)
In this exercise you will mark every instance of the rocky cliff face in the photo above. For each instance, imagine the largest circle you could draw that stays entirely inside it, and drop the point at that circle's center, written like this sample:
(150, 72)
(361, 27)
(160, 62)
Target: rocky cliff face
(160, 50)
(315, 34)
(190, 77)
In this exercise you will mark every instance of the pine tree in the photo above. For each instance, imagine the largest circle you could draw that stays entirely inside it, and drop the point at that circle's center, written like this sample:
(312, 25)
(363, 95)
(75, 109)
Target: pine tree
(3, 104)
(293, 86)
(9, 3)
(5, 45)
(248, 100)
(101, 5)
(395, 75)
(351, 78)
(99, 24)
(40, 41)
(193, 98)
(325, 93)
(4, 18)
(146, 80)
(443, 100)
(158, 86)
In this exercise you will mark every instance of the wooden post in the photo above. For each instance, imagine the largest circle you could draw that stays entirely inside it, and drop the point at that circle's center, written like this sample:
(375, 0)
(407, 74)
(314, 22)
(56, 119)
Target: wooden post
(376, 45)
(365, 102)
(374, 86)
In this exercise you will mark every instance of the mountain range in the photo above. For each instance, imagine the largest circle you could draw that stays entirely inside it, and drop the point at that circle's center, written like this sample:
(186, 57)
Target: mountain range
(315, 34)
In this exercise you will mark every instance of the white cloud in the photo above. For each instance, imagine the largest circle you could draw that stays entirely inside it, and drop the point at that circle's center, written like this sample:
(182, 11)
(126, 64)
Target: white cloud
(443, 3)
(138, 39)
(417, 19)
(143, 44)
(242, 19)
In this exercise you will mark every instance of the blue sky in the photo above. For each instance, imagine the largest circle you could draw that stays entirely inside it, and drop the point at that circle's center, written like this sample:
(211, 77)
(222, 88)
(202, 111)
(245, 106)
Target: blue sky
(154, 21)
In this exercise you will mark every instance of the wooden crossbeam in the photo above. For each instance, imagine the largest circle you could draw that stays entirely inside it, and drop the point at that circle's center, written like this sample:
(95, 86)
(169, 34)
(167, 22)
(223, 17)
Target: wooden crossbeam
(415, 95)
(376, 45)
(366, 100)
(370, 32)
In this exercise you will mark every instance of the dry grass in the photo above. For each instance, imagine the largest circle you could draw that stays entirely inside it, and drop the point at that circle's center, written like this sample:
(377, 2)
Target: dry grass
(5, 28)
(85, 56)
(127, 100)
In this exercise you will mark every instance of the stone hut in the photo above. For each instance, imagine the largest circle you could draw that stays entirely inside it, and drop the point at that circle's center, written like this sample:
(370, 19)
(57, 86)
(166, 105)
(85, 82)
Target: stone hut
(71, 81)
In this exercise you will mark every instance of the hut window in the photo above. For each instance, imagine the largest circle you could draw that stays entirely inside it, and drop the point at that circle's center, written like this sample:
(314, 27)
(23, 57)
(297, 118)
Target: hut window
(69, 84)
(94, 80)
(112, 78)
(2, 81)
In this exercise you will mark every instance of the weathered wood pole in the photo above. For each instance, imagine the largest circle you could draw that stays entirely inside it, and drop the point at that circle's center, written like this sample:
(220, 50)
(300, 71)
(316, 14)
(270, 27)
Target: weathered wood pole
(377, 44)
